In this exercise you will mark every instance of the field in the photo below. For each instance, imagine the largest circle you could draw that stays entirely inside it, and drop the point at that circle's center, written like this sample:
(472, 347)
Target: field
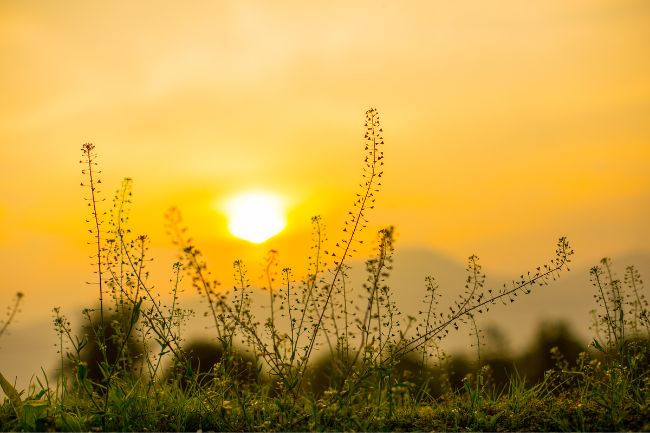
(130, 369)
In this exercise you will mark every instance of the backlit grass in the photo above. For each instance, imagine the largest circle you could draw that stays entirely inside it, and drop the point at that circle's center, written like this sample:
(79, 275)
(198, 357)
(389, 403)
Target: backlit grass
(129, 370)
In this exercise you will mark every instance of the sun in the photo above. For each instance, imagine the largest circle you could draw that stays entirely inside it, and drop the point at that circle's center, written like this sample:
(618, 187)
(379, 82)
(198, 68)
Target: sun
(255, 216)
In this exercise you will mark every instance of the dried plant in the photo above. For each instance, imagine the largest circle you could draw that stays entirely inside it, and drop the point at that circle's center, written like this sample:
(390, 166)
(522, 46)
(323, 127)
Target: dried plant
(476, 300)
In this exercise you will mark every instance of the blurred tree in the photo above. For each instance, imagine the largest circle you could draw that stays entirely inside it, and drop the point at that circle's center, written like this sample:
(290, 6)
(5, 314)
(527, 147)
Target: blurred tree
(538, 358)
(123, 353)
(206, 360)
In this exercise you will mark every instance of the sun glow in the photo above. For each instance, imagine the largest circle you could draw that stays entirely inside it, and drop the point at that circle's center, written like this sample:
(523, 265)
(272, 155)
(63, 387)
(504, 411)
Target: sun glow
(255, 216)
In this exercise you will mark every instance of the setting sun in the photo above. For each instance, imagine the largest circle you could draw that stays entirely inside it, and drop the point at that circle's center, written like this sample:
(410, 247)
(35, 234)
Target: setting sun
(255, 216)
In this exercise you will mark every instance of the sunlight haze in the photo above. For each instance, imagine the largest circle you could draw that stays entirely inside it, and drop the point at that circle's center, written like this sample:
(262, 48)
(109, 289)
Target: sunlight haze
(507, 124)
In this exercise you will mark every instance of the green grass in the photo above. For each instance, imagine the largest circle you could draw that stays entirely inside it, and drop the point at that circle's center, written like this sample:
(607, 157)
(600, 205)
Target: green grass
(130, 370)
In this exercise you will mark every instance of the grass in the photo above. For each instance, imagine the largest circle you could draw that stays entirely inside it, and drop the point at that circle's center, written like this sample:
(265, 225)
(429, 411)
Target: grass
(129, 369)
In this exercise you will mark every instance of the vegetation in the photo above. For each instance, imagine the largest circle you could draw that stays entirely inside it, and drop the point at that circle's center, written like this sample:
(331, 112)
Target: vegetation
(11, 313)
(129, 370)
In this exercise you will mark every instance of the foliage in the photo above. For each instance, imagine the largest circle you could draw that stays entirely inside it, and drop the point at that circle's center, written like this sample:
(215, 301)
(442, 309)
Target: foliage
(129, 369)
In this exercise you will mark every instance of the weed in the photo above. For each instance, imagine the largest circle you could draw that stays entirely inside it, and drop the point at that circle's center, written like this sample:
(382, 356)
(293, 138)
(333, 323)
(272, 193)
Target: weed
(129, 370)
(12, 310)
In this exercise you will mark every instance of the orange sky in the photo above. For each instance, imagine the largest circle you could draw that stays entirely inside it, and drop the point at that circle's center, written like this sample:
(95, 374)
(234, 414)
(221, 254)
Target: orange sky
(507, 125)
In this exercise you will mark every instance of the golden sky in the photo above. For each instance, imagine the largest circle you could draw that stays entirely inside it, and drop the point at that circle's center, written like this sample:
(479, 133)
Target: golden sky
(507, 124)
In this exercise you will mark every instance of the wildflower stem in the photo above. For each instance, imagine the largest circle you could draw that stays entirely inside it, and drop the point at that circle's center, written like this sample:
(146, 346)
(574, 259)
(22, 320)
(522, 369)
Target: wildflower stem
(12, 313)
(373, 135)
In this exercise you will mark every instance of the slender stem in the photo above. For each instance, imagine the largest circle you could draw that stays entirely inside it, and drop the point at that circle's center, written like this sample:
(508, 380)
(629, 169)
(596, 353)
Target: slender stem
(609, 319)
(88, 148)
(416, 342)
(644, 313)
(346, 341)
(359, 216)
(12, 314)
(191, 255)
(292, 325)
(427, 324)
(273, 330)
